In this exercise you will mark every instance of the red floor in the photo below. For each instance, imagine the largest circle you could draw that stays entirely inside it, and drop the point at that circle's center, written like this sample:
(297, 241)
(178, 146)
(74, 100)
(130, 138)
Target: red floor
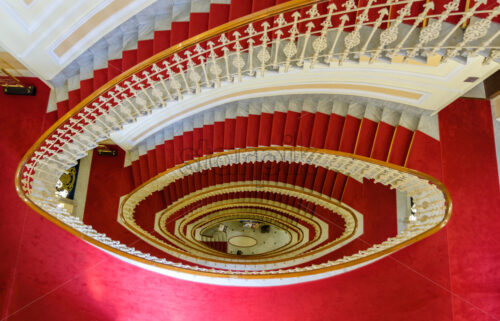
(48, 274)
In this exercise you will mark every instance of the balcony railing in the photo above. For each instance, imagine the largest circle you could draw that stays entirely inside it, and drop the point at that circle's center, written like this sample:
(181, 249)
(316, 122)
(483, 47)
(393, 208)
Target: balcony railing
(431, 199)
(296, 35)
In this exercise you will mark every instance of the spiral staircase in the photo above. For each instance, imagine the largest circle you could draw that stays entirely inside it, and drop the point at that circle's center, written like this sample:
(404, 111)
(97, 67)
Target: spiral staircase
(312, 117)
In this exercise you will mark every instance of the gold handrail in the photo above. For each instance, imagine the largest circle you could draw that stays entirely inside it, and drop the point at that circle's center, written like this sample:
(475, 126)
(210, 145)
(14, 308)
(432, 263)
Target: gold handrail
(379, 254)
(205, 36)
(440, 225)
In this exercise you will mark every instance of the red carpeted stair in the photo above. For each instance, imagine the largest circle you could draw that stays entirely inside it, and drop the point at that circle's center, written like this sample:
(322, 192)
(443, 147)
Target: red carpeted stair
(164, 24)
(381, 133)
(349, 127)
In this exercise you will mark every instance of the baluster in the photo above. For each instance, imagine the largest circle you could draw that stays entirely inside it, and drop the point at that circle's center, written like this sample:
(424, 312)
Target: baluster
(74, 121)
(238, 62)
(353, 39)
(162, 82)
(319, 44)
(77, 141)
(179, 60)
(291, 49)
(61, 133)
(174, 84)
(95, 137)
(313, 13)
(421, 17)
(381, 14)
(433, 29)
(309, 26)
(156, 93)
(99, 132)
(115, 123)
(464, 18)
(193, 75)
(159, 96)
(96, 117)
(224, 41)
(84, 138)
(143, 89)
(343, 19)
(263, 55)
(71, 130)
(390, 34)
(281, 22)
(133, 93)
(250, 31)
(116, 113)
(146, 94)
(474, 31)
(215, 69)
(201, 57)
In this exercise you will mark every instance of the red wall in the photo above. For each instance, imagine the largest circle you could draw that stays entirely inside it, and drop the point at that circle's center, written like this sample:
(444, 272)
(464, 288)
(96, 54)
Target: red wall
(48, 274)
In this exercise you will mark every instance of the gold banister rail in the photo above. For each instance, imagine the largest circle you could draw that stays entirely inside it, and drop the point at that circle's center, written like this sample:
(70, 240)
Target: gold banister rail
(207, 35)
(233, 25)
(204, 36)
(382, 46)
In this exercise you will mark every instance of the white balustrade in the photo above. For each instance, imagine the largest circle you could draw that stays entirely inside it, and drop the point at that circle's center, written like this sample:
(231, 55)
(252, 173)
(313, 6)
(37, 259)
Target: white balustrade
(226, 59)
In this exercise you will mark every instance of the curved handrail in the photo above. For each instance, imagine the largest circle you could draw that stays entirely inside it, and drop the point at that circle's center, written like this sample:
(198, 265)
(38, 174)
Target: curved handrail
(209, 34)
(450, 51)
(447, 212)
(128, 90)
(204, 36)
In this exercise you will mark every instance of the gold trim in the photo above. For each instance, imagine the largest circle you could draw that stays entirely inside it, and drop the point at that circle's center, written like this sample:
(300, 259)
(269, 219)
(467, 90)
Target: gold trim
(467, 7)
(354, 152)
(392, 142)
(235, 24)
(88, 26)
(7, 61)
(409, 148)
(426, 19)
(375, 138)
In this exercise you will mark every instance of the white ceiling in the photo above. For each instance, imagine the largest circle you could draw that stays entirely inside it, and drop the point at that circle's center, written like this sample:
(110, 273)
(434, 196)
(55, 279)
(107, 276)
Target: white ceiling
(33, 29)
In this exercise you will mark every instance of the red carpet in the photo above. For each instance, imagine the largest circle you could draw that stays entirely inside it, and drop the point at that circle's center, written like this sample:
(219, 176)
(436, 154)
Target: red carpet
(47, 274)
(470, 172)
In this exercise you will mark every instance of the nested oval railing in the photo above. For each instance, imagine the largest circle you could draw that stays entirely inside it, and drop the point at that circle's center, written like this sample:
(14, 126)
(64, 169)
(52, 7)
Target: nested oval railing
(432, 203)
(299, 34)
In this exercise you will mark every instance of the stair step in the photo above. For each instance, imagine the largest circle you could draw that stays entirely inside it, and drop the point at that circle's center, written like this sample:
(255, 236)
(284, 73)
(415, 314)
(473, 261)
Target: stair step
(164, 24)
(298, 121)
